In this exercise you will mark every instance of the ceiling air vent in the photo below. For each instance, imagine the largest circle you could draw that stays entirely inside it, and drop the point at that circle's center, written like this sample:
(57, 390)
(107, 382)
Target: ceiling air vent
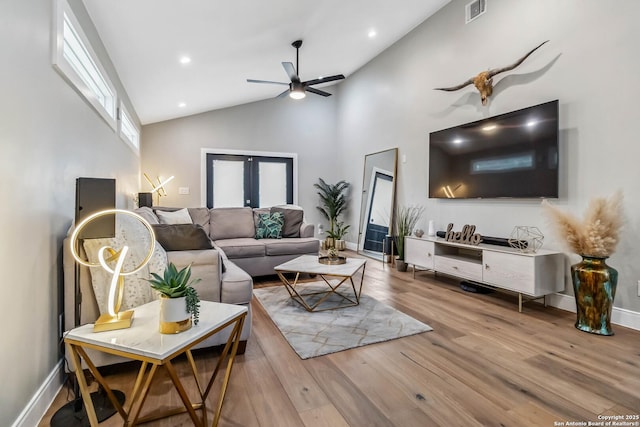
(474, 9)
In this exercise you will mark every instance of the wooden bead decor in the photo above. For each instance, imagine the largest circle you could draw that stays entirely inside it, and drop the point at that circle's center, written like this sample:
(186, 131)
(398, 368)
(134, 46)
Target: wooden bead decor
(467, 235)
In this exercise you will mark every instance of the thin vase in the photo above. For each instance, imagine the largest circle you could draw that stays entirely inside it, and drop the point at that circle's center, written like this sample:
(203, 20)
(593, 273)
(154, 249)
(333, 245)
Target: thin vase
(594, 286)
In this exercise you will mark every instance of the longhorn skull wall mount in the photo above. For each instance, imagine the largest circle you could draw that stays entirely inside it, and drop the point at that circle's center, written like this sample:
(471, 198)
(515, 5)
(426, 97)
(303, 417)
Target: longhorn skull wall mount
(484, 81)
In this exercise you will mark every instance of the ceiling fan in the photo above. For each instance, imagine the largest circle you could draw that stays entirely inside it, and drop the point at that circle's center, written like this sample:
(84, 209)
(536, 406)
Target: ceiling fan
(298, 88)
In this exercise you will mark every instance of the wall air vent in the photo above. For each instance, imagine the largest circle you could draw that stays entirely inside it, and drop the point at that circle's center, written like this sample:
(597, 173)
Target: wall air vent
(474, 9)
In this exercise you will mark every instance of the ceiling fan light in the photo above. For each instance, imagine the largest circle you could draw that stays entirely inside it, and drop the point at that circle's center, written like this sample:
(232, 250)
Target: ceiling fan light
(297, 93)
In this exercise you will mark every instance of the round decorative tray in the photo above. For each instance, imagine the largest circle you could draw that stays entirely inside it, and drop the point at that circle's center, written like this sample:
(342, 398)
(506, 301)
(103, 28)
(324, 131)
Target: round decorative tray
(332, 261)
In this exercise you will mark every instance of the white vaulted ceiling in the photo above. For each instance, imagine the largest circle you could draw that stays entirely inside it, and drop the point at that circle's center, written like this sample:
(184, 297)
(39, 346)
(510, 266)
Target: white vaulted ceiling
(230, 41)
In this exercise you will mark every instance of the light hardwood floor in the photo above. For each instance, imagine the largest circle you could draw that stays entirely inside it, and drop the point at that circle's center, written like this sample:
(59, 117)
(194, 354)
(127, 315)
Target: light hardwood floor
(484, 364)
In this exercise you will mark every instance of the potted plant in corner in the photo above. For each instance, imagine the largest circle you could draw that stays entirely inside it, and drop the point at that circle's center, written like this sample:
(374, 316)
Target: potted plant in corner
(406, 219)
(179, 301)
(334, 203)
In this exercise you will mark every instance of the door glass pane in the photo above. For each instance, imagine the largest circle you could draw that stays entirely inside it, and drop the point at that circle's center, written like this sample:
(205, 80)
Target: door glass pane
(273, 184)
(381, 205)
(228, 183)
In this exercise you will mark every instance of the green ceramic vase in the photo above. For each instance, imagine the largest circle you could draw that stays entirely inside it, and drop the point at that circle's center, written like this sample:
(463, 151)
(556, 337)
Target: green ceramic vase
(594, 286)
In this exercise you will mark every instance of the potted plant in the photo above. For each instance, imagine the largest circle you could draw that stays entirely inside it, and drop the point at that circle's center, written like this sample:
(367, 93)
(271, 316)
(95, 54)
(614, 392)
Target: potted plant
(340, 230)
(179, 301)
(334, 203)
(406, 219)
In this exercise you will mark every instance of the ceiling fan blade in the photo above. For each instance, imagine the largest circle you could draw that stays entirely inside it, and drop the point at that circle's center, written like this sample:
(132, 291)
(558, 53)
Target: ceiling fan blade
(291, 71)
(317, 91)
(283, 94)
(267, 81)
(323, 80)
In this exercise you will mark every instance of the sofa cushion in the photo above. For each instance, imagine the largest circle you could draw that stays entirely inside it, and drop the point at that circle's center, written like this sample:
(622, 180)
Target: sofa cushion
(231, 223)
(246, 247)
(236, 286)
(292, 246)
(201, 217)
(137, 290)
(180, 216)
(270, 225)
(292, 220)
(182, 237)
(147, 213)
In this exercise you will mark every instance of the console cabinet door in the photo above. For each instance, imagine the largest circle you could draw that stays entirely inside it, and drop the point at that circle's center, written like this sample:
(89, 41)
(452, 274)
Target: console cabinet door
(510, 271)
(418, 252)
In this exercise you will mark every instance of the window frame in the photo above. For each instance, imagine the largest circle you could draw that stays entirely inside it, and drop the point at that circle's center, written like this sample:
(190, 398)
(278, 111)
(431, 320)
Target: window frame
(204, 170)
(67, 71)
(124, 115)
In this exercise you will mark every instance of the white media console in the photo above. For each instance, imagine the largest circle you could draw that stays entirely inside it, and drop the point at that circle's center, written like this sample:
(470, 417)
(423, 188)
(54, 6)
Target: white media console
(533, 275)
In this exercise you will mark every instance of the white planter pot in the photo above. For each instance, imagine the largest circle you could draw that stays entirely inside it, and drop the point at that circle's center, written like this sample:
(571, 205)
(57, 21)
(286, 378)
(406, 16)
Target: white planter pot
(174, 317)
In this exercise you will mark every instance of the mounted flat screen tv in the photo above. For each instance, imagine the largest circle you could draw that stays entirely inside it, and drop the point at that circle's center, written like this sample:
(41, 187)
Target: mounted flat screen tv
(511, 155)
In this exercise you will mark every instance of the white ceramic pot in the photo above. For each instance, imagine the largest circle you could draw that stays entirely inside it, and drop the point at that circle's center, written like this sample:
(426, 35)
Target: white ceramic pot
(174, 317)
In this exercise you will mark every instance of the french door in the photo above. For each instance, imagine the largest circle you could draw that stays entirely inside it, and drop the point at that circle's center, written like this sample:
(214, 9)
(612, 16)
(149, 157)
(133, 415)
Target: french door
(244, 180)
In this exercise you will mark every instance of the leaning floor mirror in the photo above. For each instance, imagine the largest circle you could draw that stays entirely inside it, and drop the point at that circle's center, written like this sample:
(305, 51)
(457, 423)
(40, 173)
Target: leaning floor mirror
(378, 203)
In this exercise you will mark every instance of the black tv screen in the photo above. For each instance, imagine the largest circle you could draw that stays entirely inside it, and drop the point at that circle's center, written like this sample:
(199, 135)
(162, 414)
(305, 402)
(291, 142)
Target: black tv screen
(510, 155)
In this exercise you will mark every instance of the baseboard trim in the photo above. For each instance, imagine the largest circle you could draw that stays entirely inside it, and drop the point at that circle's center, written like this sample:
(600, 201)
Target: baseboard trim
(42, 399)
(351, 246)
(619, 316)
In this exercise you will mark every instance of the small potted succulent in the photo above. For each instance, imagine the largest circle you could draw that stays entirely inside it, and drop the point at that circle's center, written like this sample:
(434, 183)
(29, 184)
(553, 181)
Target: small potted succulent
(179, 301)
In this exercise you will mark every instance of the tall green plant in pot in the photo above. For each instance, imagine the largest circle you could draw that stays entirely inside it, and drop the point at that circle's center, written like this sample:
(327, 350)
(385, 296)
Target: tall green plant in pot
(406, 219)
(179, 301)
(334, 203)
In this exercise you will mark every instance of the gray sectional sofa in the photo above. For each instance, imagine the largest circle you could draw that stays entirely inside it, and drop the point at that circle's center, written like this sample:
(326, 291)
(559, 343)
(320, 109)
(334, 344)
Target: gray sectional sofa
(221, 247)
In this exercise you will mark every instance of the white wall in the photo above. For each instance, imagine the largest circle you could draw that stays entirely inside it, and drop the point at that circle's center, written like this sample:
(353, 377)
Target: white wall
(590, 64)
(49, 136)
(306, 127)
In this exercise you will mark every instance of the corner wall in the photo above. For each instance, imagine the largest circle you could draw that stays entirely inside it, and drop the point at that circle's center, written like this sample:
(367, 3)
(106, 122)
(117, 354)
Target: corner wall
(306, 127)
(589, 64)
(49, 136)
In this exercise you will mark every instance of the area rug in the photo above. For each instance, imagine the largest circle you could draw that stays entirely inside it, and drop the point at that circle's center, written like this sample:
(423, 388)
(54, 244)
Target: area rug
(318, 333)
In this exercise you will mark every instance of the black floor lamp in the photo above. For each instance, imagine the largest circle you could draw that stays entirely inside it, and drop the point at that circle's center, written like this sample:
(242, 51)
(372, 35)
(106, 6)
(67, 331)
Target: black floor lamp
(92, 195)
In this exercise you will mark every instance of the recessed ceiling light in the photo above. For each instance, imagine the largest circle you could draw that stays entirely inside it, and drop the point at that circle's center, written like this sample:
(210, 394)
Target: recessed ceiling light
(457, 141)
(182, 105)
(372, 33)
(185, 60)
(489, 127)
(531, 123)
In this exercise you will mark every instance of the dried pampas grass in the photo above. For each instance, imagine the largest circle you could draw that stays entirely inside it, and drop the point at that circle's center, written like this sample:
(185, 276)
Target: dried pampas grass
(598, 233)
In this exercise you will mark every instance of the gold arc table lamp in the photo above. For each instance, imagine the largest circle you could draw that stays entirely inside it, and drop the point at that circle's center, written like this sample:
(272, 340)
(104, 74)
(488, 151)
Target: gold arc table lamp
(113, 319)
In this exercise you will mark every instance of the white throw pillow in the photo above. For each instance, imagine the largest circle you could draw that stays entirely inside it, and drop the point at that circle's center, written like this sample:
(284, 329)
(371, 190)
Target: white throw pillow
(137, 291)
(176, 217)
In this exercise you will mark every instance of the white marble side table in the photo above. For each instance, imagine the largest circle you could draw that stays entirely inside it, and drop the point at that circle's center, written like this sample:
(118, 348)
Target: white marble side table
(143, 342)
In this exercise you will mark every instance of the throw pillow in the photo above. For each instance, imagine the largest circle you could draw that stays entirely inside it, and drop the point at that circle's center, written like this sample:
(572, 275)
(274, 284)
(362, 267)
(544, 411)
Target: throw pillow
(182, 237)
(137, 291)
(147, 213)
(270, 225)
(292, 220)
(180, 216)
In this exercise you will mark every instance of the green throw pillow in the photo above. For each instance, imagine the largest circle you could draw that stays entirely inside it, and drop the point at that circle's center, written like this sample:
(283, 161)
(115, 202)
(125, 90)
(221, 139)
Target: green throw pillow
(270, 225)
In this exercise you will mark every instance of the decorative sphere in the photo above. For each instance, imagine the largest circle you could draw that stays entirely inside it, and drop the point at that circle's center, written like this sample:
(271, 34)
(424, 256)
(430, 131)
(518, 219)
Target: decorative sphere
(418, 232)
